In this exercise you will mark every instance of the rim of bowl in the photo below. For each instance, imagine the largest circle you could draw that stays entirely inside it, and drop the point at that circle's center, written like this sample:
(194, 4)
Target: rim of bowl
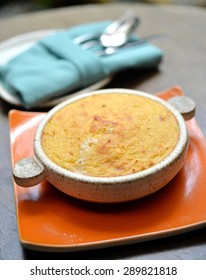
(176, 152)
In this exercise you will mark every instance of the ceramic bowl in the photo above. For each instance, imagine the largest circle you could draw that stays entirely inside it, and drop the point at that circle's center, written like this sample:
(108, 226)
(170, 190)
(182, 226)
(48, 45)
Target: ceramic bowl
(31, 171)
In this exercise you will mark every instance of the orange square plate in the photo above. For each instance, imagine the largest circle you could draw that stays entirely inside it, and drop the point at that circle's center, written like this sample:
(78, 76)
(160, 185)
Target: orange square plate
(50, 220)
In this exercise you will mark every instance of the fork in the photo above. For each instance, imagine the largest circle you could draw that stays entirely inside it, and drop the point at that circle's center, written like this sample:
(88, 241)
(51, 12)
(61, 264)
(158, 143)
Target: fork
(144, 40)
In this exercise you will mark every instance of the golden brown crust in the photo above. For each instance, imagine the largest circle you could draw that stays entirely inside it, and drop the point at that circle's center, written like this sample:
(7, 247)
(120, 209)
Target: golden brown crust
(110, 135)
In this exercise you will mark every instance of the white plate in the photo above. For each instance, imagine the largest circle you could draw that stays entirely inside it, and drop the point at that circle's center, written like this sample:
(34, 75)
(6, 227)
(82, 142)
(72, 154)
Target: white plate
(16, 45)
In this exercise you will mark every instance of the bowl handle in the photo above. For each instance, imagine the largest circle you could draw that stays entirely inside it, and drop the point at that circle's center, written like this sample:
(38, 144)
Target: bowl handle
(28, 172)
(184, 105)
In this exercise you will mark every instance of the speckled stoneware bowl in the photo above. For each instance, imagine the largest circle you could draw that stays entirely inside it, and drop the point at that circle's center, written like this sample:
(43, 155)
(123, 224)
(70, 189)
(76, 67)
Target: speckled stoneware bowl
(31, 171)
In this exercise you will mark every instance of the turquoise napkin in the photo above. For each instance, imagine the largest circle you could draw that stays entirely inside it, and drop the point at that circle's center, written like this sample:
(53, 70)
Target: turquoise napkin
(55, 65)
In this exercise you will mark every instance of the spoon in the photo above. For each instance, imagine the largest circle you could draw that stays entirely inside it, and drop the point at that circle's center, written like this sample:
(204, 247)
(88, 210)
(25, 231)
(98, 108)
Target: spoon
(115, 35)
(119, 36)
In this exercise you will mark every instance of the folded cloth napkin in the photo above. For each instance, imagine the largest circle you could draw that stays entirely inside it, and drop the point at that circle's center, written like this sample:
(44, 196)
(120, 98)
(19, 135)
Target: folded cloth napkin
(55, 65)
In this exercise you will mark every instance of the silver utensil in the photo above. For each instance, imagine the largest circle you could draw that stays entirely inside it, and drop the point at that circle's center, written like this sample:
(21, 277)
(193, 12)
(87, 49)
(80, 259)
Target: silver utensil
(115, 35)
(113, 50)
(119, 36)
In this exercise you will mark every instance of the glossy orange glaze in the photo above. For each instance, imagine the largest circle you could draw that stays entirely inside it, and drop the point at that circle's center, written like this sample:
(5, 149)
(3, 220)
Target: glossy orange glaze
(48, 218)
